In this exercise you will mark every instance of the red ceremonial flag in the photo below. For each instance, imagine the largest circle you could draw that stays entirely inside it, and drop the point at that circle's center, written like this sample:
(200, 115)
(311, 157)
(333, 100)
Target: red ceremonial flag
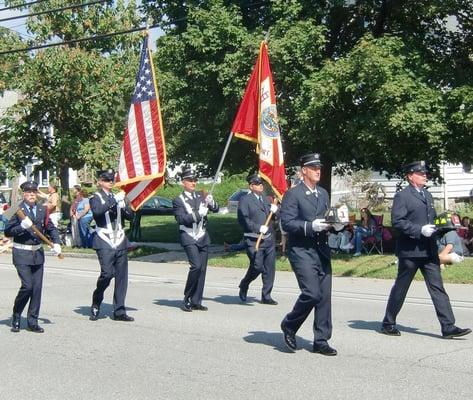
(257, 121)
(143, 157)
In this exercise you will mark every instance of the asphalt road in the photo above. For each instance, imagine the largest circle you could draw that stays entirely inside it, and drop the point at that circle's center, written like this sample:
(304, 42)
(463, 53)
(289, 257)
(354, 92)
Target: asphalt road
(233, 351)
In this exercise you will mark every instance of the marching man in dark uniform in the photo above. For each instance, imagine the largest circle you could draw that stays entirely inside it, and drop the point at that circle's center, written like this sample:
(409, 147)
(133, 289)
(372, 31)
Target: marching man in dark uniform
(413, 216)
(190, 211)
(28, 255)
(303, 211)
(111, 246)
(253, 209)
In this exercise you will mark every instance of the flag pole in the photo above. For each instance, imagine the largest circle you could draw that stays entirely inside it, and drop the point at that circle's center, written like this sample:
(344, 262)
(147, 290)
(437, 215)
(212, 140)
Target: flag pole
(221, 162)
(266, 38)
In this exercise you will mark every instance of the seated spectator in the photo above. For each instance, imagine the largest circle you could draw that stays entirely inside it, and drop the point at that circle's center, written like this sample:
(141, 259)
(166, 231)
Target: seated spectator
(3, 207)
(450, 248)
(365, 229)
(83, 215)
(340, 240)
(466, 236)
(76, 197)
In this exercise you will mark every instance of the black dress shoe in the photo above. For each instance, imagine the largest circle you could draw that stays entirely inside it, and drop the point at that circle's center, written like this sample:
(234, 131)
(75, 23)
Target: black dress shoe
(94, 312)
(35, 329)
(456, 332)
(186, 306)
(123, 317)
(242, 294)
(324, 349)
(390, 330)
(199, 307)
(289, 338)
(271, 302)
(15, 323)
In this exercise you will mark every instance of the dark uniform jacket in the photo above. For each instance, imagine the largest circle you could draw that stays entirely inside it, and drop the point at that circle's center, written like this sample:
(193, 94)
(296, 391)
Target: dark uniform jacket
(23, 236)
(298, 209)
(99, 210)
(410, 212)
(187, 216)
(252, 213)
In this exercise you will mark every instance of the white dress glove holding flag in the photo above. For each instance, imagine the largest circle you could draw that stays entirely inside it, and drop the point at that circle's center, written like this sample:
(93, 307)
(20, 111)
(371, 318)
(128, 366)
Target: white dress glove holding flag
(263, 229)
(203, 210)
(428, 230)
(26, 223)
(274, 208)
(210, 200)
(318, 225)
(120, 196)
(57, 248)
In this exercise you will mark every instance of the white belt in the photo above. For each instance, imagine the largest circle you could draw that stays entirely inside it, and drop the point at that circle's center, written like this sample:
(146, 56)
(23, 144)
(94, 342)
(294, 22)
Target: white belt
(256, 235)
(29, 247)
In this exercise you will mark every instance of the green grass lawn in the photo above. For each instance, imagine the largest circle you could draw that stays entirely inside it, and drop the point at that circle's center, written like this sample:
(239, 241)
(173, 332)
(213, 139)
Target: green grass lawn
(225, 228)
(221, 228)
(372, 266)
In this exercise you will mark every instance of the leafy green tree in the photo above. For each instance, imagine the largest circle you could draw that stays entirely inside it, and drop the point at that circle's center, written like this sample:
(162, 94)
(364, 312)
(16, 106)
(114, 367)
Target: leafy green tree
(82, 90)
(371, 84)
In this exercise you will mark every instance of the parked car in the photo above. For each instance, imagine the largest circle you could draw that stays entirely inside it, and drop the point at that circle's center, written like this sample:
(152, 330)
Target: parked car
(157, 205)
(233, 200)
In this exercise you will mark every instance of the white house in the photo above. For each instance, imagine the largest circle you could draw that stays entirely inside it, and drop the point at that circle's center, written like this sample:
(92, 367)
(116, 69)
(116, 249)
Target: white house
(458, 186)
(42, 177)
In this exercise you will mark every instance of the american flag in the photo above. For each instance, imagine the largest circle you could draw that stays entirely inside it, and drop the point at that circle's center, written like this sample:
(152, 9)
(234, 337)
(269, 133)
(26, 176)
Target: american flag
(143, 157)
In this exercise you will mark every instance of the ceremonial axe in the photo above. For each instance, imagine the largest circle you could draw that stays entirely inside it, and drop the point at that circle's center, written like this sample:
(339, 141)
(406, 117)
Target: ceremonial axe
(17, 210)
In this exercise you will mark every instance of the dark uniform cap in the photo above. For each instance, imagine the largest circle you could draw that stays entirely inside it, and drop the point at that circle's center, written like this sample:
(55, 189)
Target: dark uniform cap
(29, 186)
(416, 166)
(188, 174)
(107, 175)
(312, 159)
(255, 179)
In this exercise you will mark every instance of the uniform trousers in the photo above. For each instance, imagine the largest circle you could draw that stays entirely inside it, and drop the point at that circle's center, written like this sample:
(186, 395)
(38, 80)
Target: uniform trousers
(261, 262)
(433, 279)
(198, 257)
(316, 294)
(31, 277)
(113, 264)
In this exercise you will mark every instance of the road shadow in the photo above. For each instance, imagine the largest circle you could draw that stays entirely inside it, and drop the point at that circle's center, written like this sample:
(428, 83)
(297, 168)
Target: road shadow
(24, 322)
(226, 299)
(106, 310)
(276, 341)
(168, 303)
(376, 326)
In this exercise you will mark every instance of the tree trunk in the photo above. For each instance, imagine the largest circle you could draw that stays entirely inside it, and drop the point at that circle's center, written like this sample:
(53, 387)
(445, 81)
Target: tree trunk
(326, 175)
(65, 195)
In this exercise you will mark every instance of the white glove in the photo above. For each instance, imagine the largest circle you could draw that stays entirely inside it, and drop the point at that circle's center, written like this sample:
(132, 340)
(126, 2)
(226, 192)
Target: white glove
(121, 204)
(120, 196)
(428, 230)
(318, 225)
(456, 258)
(263, 229)
(203, 210)
(274, 208)
(210, 200)
(57, 248)
(26, 223)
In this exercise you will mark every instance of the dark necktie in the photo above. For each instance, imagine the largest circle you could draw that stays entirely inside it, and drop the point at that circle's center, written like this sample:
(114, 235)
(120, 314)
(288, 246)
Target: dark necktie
(32, 213)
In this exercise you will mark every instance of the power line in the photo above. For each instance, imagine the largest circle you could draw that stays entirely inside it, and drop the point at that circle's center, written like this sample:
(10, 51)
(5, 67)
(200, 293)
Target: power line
(97, 37)
(52, 10)
(22, 5)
